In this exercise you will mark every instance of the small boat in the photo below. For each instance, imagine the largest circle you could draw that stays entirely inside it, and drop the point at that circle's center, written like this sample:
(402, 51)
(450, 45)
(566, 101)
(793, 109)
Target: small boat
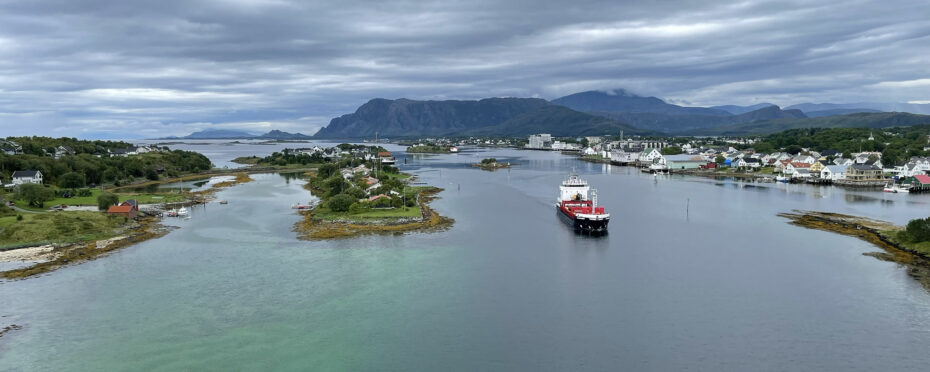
(224, 202)
(171, 213)
(656, 168)
(896, 189)
(301, 206)
(782, 179)
(183, 212)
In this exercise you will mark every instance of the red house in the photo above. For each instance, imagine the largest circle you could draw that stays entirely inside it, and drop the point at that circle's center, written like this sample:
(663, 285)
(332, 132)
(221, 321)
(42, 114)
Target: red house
(709, 165)
(128, 209)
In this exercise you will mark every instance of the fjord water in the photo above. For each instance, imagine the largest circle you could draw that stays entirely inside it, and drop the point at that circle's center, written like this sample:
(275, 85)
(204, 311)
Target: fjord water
(695, 274)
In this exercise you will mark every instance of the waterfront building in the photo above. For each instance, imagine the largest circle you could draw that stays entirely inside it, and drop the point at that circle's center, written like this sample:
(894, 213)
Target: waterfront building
(863, 172)
(684, 161)
(833, 172)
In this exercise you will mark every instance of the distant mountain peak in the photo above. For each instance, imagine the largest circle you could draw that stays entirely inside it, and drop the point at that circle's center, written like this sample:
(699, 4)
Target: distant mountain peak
(619, 92)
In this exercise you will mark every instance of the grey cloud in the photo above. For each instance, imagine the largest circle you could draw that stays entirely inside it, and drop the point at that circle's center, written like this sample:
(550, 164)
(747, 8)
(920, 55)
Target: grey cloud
(170, 67)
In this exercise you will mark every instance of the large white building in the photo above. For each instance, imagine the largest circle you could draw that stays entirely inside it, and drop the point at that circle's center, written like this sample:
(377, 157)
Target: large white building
(540, 141)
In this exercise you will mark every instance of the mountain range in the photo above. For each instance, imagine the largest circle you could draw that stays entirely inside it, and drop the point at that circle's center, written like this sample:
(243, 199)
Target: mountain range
(491, 116)
(236, 134)
(600, 112)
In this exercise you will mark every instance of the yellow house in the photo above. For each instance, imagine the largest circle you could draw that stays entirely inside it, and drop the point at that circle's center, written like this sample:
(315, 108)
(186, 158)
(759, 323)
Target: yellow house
(817, 167)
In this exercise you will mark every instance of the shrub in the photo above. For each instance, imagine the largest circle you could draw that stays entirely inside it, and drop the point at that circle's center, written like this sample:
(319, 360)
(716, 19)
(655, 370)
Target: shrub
(340, 203)
(397, 202)
(105, 200)
(19, 217)
(918, 230)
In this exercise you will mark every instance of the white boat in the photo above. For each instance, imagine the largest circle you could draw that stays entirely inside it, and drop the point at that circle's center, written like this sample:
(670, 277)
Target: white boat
(183, 212)
(658, 168)
(781, 178)
(897, 189)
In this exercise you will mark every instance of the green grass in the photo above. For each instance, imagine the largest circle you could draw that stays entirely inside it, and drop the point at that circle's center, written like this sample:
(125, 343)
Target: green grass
(326, 214)
(922, 247)
(59, 227)
(92, 199)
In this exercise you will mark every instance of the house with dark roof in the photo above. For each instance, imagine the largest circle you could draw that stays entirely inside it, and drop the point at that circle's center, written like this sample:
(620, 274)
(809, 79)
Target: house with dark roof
(27, 176)
(863, 172)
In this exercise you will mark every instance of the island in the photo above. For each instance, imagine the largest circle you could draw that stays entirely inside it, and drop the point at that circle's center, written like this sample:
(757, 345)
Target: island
(491, 164)
(431, 149)
(358, 194)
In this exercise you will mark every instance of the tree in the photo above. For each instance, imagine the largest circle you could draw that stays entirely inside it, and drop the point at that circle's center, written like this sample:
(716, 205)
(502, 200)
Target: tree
(720, 159)
(35, 195)
(671, 150)
(105, 200)
(71, 180)
(340, 203)
(918, 230)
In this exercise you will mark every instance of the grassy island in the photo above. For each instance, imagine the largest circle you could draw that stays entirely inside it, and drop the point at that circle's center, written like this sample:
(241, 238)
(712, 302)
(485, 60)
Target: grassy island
(359, 195)
(491, 164)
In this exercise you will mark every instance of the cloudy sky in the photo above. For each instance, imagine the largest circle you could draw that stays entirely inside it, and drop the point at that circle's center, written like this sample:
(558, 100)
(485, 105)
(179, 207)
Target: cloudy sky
(144, 69)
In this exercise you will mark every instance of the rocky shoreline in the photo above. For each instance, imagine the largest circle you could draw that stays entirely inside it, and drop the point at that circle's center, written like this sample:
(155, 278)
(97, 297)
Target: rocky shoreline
(872, 231)
(54, 256)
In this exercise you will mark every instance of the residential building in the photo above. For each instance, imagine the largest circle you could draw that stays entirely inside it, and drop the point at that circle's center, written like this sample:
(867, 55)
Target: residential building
(27, 176)
(863, 172)
(833, 172)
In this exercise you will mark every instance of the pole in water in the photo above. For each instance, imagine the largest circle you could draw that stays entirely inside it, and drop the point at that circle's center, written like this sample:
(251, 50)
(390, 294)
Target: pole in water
(688, 208)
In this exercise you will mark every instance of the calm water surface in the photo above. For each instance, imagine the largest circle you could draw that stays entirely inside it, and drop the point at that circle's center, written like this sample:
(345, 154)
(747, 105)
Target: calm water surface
(695, 274)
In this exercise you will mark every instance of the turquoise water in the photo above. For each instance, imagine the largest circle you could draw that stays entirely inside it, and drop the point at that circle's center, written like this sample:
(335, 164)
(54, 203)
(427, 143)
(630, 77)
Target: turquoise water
(695, 274)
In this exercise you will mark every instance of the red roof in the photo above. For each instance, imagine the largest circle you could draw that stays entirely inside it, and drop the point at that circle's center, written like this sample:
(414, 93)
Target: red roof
(923, 178)
(384, 154)
(376, 197)
(120, 209)
(798, 164)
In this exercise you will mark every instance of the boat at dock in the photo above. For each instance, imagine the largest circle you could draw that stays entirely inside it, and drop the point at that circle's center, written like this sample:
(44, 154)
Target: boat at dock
(578, 210)
(897, 189)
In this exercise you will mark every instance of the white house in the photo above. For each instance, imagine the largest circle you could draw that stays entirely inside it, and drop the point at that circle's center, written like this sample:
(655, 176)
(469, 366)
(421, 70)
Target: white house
(31, 176)
(915, 167)
(843, 161)
(805, 159)
(589, 151)
(833, 172)
(650, 156)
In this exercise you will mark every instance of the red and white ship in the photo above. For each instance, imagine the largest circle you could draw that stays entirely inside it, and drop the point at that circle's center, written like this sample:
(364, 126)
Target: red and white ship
(576, 209)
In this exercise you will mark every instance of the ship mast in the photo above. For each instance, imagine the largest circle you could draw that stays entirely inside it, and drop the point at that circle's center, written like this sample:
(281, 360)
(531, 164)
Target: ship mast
(593, 201)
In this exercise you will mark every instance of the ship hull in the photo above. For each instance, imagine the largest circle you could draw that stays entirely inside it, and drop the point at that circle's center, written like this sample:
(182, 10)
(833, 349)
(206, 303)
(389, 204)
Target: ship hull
(583, 225)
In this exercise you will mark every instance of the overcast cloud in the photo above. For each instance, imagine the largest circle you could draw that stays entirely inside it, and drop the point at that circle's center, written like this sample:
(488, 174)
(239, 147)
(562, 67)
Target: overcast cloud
(156, 68)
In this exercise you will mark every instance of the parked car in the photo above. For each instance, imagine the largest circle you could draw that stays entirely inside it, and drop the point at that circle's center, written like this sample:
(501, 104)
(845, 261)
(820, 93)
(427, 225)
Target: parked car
(12, 203)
